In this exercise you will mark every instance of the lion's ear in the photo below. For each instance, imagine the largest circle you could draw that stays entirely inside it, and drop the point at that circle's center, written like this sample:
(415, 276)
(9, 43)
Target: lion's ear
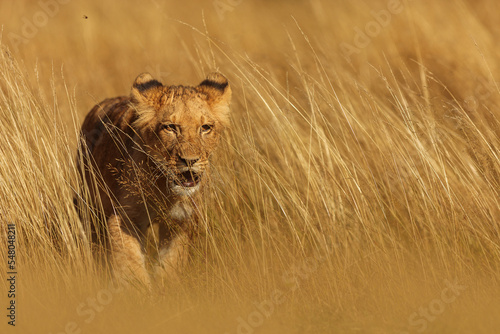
(218, 91)
(144, 87)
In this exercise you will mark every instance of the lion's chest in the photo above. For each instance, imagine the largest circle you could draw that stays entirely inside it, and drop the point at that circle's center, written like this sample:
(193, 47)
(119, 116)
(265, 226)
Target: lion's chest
(178, 212)
(181, 211)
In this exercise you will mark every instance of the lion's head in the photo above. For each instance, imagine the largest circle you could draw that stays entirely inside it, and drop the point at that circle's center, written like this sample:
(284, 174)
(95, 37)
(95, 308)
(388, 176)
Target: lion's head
(181, 126)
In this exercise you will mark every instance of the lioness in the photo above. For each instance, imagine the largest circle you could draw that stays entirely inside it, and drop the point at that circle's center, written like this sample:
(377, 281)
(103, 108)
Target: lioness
(144, 157)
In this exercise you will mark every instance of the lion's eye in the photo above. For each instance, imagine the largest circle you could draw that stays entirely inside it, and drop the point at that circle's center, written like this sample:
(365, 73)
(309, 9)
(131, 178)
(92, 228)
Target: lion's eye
(206, 128)
(169, 127)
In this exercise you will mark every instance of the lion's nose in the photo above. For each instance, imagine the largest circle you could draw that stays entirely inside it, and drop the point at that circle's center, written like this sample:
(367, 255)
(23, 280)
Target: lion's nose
(188, 161)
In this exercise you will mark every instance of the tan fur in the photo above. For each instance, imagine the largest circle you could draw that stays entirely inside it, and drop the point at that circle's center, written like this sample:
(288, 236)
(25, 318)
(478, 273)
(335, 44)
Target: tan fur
(144, 157)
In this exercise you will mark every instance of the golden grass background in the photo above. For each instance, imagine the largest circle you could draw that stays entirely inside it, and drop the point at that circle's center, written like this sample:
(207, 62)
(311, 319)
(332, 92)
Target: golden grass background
(355, 186)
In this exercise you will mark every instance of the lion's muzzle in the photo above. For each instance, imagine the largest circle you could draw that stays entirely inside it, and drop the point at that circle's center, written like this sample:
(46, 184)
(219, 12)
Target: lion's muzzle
(188, 178)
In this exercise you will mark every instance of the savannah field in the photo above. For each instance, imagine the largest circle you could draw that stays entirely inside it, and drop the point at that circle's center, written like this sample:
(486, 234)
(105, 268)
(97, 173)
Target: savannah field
(357, 191)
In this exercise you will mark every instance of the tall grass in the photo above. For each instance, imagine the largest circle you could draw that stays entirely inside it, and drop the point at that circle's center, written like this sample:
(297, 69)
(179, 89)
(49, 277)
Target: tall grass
(356, 187)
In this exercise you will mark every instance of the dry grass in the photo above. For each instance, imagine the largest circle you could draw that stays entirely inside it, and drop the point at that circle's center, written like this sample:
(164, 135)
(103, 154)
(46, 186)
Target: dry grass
(357, 187)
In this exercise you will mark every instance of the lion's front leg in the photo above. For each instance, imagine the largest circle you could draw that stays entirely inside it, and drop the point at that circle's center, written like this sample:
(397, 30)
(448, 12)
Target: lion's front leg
(127, 256)
(172, 255)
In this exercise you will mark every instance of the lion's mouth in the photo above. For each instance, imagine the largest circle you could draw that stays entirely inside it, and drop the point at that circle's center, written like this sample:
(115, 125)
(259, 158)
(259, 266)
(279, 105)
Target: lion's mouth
(188, 179)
